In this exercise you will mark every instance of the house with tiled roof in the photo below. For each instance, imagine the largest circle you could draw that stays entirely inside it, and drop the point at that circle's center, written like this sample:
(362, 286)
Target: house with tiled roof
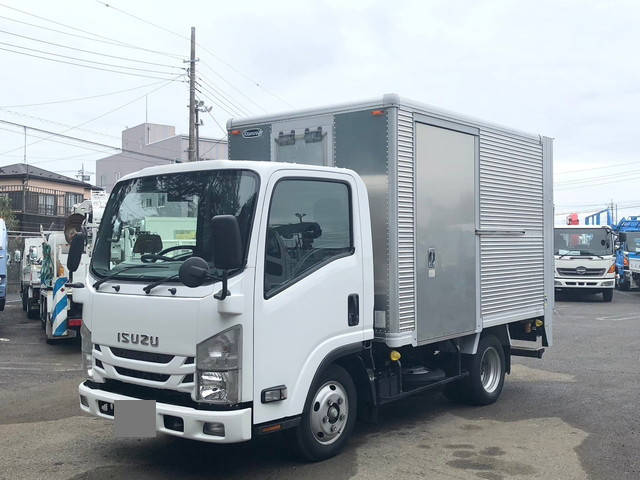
(40, 197)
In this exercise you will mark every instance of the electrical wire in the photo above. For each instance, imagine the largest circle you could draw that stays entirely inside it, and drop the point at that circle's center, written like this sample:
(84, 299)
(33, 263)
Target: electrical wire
(78, 99)
(85, 66)
(248, 98)
(203, 47)
(126, 67)
(234, 109)
(98, 38)
(81, 140)
(103, 114)
(92, 52)
(212, 88)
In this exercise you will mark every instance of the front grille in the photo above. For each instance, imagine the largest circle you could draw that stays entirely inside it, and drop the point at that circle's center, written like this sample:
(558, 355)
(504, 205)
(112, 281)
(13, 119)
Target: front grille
(142, 356)
(589, 272)
(188, 378)
(155, 377)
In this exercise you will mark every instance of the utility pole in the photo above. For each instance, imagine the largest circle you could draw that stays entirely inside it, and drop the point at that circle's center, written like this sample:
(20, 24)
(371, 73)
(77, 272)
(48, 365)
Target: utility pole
(192, 98)
(25, 186)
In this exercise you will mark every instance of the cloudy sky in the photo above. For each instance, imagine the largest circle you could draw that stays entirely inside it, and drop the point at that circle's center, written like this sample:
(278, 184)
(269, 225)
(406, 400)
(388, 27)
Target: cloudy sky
(566, 69)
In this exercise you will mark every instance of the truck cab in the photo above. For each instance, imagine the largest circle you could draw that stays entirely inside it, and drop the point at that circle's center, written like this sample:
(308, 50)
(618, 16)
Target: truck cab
(30, 266)
(628, 253)
(585, 259)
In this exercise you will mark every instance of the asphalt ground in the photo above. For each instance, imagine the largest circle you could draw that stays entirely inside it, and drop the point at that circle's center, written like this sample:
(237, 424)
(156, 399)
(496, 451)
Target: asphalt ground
(573, 414)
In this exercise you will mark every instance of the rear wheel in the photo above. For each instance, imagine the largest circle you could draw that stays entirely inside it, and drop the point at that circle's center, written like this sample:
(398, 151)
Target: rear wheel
(486, 370)
(607, 294)
(25, 300)
(329, 415)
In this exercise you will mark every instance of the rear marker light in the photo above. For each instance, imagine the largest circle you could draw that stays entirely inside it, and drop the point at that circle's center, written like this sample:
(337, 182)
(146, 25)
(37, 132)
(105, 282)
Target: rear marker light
(272, 428)
(377, 113)
(235, 132)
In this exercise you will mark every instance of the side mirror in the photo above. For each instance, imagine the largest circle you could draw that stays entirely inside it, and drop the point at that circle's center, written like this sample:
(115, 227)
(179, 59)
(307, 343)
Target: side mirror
(76, 249)
(227, 242)
(17, 256)
(193, 272)
(227, 248)
(622, 237)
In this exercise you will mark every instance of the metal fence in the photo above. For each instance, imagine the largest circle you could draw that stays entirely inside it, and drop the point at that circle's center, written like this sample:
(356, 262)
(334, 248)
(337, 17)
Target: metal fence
(40, 200)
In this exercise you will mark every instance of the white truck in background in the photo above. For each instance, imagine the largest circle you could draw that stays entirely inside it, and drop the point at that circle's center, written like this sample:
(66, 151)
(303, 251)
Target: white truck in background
(251, 297)
(585, 259)
(60, 313)
(30, 266)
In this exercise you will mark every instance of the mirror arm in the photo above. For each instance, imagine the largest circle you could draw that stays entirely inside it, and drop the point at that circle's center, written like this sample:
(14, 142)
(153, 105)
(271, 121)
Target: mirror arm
(224, 293)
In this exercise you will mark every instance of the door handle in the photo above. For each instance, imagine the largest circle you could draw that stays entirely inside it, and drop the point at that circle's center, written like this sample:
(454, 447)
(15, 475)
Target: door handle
(353, 309)
(431, 258)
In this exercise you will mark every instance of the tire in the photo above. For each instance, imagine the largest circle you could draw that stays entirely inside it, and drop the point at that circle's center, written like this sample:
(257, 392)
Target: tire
(2, 304)
(32, 313)
(25, 300)
(331, 404)
(607, 295)
(486, 370)
(625, 285)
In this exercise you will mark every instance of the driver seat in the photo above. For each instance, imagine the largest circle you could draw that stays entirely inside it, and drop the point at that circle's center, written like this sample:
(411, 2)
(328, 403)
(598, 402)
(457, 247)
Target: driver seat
(147, 243)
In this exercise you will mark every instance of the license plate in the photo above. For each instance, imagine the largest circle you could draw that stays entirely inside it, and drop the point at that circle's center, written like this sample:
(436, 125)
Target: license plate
(135, 418)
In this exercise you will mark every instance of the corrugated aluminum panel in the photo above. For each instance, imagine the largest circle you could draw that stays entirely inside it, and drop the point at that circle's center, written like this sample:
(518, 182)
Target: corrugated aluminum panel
(511, 201)
(406, 222)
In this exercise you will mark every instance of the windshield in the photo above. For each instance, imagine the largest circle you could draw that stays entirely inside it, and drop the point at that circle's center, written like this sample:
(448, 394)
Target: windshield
(575, 241)
(633, 242)
(155, 223)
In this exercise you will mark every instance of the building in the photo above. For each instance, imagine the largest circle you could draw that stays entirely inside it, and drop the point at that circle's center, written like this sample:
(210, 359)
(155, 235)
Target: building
(155, 140)
(40, 197)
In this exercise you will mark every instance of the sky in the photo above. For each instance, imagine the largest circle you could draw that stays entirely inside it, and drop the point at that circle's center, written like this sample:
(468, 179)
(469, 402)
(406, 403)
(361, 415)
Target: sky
(565, 69)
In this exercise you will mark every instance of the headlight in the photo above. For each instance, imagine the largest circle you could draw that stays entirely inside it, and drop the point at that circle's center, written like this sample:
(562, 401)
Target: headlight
(87, 347)
(218, 367)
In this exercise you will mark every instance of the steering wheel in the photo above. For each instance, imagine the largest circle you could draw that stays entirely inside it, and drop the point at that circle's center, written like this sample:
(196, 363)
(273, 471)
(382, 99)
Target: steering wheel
(161, 255)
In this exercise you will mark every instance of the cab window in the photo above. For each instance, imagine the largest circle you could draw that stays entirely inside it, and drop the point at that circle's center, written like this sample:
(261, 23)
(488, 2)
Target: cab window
(309, 226)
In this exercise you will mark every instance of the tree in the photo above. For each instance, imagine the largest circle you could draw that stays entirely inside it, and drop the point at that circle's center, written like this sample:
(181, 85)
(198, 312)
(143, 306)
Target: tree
(6, 212)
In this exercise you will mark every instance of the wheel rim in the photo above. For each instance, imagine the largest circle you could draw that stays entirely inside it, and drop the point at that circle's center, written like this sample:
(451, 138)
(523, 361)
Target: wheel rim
(329, 412)
(490, 370)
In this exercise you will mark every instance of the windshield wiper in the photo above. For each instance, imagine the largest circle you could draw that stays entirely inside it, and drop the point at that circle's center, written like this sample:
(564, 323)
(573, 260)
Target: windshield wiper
(153, 285)
(594, 255)
(97, 284)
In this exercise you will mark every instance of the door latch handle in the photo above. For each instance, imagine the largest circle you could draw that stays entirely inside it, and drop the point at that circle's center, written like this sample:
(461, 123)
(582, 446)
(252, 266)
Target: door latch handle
(353, 308)
(431, 258)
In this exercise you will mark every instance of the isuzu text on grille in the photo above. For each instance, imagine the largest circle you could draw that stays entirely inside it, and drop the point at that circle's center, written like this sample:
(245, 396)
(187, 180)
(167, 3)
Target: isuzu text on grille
(136, 338)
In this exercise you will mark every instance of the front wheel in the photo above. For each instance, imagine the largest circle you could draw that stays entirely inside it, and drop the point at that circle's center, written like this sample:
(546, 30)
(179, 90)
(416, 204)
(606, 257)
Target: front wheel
(607, 295)
(486, 370)
(329, 415)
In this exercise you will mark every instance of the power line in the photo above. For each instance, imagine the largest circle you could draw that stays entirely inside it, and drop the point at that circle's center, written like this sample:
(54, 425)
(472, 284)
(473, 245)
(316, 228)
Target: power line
(99, 38)
(103, 114)
(206, 65)
(82, 140)
(92, 52)
(126, 67)
(233, 109)
(238, 106)
(203, 47)
(85, 66)
(77, 99)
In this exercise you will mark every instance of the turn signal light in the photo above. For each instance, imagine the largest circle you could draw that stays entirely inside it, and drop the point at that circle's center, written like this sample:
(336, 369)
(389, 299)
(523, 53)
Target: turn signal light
(612, 268)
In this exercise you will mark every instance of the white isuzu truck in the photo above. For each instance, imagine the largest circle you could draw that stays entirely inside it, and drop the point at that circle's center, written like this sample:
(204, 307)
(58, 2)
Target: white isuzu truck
(585, 259)
(345, 258)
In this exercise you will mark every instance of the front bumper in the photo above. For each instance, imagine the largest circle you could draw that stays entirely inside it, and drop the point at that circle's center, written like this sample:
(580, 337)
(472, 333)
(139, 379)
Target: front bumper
(584, 282)
(237, 423)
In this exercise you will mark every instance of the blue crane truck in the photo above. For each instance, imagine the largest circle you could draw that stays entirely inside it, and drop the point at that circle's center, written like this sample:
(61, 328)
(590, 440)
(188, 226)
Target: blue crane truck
(628, 230)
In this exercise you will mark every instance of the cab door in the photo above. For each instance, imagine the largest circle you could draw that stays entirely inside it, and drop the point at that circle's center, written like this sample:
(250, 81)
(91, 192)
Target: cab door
(309, 283)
